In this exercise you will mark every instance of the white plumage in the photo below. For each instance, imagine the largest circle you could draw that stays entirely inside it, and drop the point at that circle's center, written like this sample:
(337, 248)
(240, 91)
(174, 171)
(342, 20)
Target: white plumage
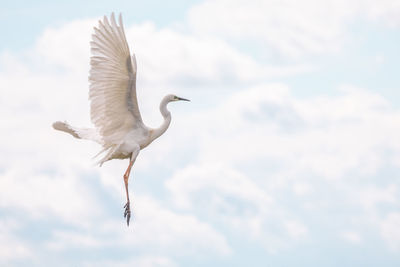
(114, 109)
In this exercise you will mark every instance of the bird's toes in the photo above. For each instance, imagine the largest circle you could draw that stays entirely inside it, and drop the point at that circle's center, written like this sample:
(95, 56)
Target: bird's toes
(128, 217)
(127, 213)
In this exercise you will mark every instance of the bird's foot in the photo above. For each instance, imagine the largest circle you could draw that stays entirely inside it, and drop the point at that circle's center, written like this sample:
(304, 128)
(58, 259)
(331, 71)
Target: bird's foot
(127, 213)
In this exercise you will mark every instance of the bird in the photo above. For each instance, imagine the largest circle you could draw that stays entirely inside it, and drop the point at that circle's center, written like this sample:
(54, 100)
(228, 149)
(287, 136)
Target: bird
(114, 111)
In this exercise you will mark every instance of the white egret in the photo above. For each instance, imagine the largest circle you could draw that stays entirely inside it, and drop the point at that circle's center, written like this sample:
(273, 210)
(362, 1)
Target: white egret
(114, 108)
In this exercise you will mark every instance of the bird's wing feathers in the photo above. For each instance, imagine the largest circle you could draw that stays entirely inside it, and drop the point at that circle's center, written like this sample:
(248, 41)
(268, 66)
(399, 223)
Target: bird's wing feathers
(114, 109)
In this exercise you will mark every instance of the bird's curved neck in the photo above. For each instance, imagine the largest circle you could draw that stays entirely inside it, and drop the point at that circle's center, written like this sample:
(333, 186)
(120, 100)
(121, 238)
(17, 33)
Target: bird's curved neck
(167, 119)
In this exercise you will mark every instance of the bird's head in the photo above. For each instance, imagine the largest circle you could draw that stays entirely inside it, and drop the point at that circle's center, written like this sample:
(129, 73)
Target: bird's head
(176, 98)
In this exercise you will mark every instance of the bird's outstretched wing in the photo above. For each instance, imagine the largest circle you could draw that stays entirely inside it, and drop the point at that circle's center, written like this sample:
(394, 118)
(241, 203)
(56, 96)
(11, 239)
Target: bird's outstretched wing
(114, 109)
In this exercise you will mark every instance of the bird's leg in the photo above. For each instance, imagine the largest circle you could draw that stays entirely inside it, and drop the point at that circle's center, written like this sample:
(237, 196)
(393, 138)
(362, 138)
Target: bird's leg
(127, 213)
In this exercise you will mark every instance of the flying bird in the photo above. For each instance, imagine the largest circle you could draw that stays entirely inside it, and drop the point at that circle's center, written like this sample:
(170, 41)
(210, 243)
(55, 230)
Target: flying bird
(114, 110)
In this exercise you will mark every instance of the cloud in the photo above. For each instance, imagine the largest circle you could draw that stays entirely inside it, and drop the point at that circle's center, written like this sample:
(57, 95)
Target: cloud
(372, 197)
(263, 148)
(234, 200)
(144, 261)
(229, 183)
(11, 247)
(65, 48)
(157, 226)
(291, 28)
(37, 195)
(295, 229)
(154, 229)
(390, 230)
(302, 188)
(387, 11)
(171, 56)
(351, 237)
(197, 67)
(312, 134)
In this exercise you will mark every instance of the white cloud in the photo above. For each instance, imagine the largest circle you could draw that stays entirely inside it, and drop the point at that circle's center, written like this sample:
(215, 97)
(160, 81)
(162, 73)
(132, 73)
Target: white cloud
(386, 10)
(45, 194)
(229, 183)
(302, 188)
(290, 27)
(234, 200)
(62, 240)
(296, 229)
(65, 48)
(168, 56)
(11, 247)
(371, 197)
(143, 261)
(281, 143)
(199, 67)
(293, 28)
(351, 237)
(305, 135)
(154, 228)
(390, 230)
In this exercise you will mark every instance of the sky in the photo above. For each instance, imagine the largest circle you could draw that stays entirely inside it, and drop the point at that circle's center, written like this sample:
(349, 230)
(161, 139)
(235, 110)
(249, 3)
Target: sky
(287, 155)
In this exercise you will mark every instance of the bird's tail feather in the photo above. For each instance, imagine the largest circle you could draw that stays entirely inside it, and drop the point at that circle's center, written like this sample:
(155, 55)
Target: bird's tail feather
(80, 133)
(65, 127)
(110, 150)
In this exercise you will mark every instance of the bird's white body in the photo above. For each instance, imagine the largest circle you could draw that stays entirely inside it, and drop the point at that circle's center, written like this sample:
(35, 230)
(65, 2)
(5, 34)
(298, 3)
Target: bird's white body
(114, 109)
(135, 139)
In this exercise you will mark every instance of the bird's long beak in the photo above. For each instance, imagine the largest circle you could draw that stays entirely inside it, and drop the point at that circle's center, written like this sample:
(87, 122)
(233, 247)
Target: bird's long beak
(184, 99)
